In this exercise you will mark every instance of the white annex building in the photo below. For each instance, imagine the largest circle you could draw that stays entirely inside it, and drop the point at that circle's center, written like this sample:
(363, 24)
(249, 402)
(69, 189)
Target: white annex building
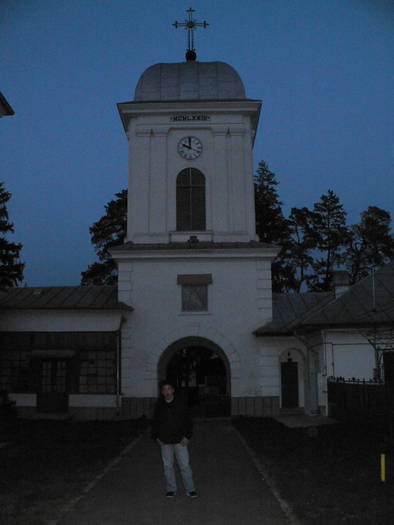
(194, 297)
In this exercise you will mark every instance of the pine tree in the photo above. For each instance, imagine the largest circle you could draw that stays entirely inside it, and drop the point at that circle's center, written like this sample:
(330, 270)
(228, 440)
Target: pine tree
(330, 235)
(301, 246)
(107, 232)
(11, 269)
(271, 225)
(371, 243)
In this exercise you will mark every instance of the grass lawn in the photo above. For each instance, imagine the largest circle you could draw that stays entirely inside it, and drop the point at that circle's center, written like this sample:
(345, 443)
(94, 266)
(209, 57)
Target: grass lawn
(46, 463)
(329, 475)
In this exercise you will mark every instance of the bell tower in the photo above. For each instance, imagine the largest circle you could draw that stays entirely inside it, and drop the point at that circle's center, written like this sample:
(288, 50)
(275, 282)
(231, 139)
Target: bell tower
(190, 129)
(191, 267)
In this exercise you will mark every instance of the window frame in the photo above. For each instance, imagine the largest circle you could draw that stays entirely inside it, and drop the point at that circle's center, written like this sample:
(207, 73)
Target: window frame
(196, 281)
(191, 200)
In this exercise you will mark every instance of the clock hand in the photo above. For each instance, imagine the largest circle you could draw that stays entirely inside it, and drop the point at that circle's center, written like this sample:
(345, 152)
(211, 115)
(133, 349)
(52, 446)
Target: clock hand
(186, 146)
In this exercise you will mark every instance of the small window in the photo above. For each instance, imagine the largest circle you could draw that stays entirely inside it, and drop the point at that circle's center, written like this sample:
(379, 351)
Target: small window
(194, 291)
(194, 297)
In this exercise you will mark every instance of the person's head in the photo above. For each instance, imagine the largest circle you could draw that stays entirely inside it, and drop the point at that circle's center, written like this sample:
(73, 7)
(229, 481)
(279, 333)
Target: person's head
(167, 390)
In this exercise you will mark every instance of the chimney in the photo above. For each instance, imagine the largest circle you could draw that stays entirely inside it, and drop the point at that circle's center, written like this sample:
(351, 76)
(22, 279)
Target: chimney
(340, 282)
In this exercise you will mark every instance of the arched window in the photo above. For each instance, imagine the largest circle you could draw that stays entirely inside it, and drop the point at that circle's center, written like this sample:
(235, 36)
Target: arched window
(190, 200)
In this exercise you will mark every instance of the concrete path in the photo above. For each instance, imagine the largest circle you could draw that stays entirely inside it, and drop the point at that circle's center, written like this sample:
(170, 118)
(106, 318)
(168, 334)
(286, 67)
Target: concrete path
(231, 490)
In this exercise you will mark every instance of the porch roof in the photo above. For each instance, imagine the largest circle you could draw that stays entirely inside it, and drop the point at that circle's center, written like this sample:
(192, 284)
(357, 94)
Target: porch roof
(62, 298)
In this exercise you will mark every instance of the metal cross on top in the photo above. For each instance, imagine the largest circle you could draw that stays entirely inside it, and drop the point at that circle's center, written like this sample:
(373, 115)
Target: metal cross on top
(190, 25)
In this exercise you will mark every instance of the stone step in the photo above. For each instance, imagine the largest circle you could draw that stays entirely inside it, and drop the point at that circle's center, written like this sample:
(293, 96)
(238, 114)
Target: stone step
(291, 411)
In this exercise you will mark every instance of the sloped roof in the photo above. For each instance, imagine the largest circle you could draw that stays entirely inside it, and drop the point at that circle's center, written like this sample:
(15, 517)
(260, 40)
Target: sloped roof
(61, 298)
(368, 302)
(289, 309)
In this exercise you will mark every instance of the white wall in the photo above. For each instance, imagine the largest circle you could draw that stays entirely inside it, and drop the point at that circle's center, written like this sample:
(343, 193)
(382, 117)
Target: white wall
(239, 300)
(226, 162)
(342, 353)
(273, 350)
(349, 355)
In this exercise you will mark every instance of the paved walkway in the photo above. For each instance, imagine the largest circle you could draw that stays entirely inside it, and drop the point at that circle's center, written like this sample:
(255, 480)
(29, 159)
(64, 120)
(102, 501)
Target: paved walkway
(231, 490)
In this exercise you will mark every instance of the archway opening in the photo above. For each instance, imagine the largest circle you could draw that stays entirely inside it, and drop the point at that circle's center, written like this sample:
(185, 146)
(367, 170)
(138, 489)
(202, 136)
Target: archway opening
(200, 372)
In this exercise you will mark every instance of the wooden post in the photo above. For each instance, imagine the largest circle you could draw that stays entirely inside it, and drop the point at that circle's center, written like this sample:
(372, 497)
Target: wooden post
(383, 467)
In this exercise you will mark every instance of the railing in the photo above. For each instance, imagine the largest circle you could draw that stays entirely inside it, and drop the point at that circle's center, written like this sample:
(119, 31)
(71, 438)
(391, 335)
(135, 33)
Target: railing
(355, 399)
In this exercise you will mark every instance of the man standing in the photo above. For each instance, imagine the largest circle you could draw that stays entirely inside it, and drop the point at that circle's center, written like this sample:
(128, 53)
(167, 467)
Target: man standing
(172, 429)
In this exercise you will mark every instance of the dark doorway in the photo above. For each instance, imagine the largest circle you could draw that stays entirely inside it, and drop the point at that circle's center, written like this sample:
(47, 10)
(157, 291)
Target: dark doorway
(289, 376)
(199, 374)
(53, 385)
(388, 365)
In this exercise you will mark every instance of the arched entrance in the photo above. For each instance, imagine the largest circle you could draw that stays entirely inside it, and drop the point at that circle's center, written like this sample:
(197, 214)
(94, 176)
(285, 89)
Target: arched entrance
(201, 372)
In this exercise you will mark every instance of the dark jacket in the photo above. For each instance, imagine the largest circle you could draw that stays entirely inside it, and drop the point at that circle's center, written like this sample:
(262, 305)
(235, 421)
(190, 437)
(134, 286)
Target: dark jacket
(171, 421)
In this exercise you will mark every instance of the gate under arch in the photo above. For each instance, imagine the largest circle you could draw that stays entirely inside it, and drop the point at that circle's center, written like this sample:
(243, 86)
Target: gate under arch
(201, 372)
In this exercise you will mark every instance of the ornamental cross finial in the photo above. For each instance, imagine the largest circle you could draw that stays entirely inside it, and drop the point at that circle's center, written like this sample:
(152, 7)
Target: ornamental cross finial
(190, 25)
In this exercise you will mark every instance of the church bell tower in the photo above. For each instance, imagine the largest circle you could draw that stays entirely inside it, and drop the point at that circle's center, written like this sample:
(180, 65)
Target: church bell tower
(190, 129)
(191, 266)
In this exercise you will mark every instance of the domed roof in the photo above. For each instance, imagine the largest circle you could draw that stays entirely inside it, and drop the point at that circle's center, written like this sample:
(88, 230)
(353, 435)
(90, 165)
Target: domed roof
(189, 81)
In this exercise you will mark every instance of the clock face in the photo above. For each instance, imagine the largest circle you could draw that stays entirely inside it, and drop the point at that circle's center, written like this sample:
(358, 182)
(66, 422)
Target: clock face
(189, 148)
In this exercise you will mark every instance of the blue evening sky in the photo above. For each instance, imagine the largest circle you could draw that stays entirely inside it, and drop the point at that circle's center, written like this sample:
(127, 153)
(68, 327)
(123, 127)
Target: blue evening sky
(323, 69)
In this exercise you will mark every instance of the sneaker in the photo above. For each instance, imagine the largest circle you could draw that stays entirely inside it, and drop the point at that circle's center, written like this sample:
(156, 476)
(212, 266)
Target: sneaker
(170, 494)
(192, 494)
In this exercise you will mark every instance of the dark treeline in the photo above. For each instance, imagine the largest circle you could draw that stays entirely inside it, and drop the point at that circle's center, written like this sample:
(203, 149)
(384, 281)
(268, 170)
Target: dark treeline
(314, 242)
(11, 269)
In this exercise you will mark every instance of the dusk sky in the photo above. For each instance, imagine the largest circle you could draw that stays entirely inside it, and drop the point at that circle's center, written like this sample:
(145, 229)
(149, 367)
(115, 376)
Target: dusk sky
(323, 69)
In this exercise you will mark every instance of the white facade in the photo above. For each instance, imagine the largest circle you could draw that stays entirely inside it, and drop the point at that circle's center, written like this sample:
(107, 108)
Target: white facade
(226, 162)
(238, 300)
(239, 293)
(347, 354)
(273, 352)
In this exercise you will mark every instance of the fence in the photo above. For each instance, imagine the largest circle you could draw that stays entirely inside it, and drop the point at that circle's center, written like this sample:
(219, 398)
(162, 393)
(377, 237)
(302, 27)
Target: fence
(353, 399)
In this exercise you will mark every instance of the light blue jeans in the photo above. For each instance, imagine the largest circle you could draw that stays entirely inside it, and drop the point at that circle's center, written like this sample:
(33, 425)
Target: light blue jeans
(182, 456)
